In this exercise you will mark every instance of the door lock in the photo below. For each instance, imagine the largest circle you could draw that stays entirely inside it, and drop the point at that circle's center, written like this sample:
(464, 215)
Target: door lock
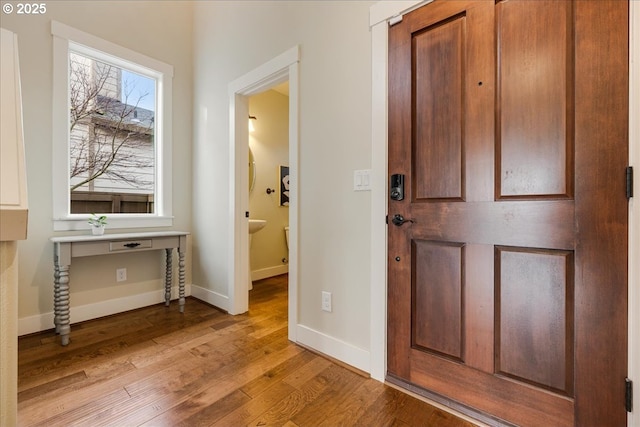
(399, 220)
(397, 186)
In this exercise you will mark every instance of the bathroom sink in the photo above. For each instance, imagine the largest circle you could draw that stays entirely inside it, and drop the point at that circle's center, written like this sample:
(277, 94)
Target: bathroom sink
(256, 225)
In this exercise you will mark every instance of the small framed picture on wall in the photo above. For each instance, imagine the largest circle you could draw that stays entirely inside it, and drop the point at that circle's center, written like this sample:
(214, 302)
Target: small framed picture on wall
(284, 185)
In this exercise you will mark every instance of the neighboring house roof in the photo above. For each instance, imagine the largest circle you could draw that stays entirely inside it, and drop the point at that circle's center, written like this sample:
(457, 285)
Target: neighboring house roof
(132, 118)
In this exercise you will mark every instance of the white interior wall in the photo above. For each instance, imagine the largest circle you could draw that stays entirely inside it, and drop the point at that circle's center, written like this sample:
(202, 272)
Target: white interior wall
(140, 26)
(269, 143)
(232, 38)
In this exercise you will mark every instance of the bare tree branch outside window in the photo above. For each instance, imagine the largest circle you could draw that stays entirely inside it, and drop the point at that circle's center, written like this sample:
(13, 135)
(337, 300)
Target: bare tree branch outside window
(111, 135)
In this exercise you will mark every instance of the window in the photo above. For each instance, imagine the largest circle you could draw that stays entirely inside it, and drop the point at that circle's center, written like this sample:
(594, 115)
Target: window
(111, 137)
(112, 148)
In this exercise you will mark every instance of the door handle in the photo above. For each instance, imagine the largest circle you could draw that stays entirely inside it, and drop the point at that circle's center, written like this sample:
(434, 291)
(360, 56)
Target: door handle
(398, 220)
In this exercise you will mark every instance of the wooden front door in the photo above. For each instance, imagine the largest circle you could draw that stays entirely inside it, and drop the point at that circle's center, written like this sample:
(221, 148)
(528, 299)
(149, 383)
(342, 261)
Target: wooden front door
(508, 292)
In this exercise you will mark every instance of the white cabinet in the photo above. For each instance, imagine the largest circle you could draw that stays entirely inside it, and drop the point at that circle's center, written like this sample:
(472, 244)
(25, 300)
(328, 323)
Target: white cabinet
(13, 174)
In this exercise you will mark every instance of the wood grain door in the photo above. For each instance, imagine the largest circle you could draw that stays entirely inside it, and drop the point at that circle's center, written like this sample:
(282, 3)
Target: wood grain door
(508, 291)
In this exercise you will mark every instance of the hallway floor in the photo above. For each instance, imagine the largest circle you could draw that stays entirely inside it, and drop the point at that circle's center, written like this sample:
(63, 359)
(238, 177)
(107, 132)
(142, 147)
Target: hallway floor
(156, 367)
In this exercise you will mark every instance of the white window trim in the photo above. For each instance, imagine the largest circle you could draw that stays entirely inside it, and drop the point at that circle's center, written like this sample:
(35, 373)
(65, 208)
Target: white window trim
(64, 37)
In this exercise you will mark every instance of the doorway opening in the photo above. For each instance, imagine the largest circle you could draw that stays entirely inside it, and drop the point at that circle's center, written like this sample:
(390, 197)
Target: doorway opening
(269, 191)
(281, 69)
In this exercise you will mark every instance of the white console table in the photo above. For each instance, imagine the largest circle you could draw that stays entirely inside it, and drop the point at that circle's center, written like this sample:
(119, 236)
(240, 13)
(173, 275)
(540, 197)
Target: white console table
(68, 247)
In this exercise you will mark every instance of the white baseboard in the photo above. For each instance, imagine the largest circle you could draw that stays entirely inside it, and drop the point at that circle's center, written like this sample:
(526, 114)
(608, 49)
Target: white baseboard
(263, 273)
(211, 297)
(44, 321)
(345, 352)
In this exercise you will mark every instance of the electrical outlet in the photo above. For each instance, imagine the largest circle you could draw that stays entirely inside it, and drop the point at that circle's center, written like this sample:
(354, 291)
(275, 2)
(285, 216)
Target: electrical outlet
(326, 301)
(121, 275)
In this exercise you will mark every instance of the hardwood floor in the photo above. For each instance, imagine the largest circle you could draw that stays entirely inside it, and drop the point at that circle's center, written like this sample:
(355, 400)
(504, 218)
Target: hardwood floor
(156, 367)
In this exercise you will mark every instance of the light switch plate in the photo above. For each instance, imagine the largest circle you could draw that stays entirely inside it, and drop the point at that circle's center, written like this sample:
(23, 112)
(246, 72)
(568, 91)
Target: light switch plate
(362, 180)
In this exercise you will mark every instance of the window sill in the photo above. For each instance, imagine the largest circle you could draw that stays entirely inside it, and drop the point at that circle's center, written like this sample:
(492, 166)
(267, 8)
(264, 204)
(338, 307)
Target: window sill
(79, 222)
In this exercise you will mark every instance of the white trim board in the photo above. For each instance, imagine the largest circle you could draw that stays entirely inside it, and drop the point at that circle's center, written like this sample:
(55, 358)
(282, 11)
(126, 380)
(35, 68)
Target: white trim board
(66, 39)
(81, 313)
(210, 297)
(267, 272)
(61, 30)
(340, 350)
(383, 11)
(279, 69)
(379, 14)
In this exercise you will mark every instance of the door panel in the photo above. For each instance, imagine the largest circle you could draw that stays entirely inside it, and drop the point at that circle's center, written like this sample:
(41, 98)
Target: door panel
(507, 292)
(439, 125)
(534, 139)
(437, 296)
(534, 323)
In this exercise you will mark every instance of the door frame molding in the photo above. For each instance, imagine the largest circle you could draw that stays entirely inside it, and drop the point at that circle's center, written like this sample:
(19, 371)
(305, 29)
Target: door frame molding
(380, 15)
(278, 70)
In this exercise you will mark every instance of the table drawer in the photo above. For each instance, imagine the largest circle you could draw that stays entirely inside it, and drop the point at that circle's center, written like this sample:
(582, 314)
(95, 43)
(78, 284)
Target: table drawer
(127, 245)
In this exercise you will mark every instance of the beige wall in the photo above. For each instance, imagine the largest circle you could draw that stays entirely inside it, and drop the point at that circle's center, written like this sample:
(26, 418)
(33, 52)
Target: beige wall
(270, 145)
(140, 26)
(233, 38)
